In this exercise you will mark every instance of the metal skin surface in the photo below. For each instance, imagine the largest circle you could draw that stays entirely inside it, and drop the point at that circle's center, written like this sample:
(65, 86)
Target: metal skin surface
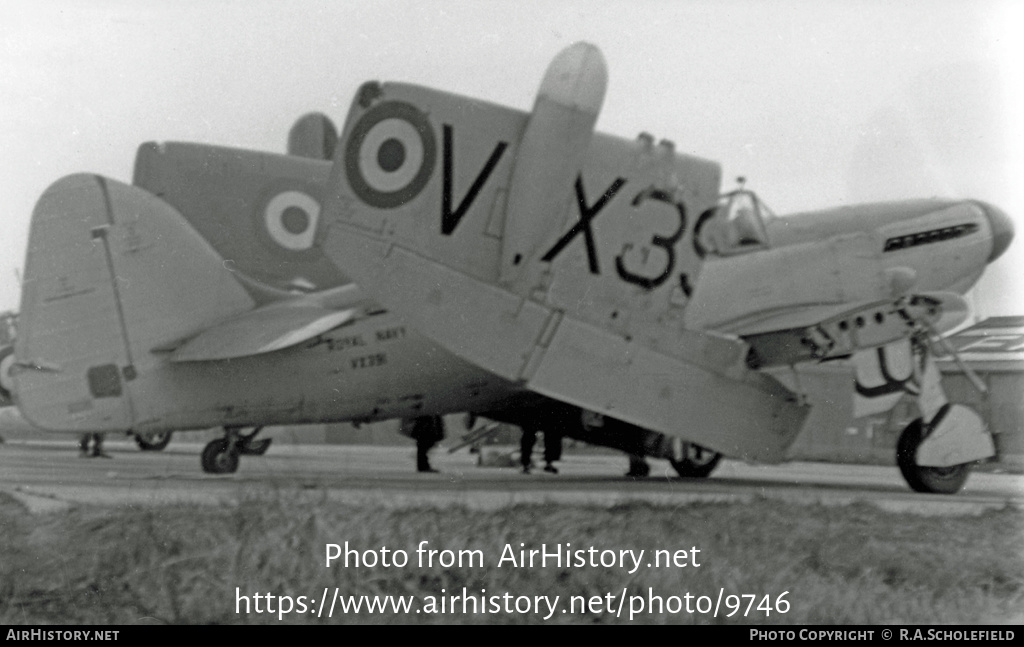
(513, 264)
(639, 300)
(76, 318)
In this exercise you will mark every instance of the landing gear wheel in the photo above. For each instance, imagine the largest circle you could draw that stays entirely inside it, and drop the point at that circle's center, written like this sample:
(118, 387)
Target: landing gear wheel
(249, 446)
(935, 480)
(153, 442)
(219, 457)
(256, 448)
(697, 461)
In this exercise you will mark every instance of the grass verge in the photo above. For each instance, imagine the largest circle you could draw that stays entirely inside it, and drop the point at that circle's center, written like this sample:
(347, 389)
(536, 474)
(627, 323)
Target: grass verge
(182, 563)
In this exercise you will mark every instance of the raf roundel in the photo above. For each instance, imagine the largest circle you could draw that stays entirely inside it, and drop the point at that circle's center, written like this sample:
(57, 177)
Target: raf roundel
(390, 154)
(291, 218)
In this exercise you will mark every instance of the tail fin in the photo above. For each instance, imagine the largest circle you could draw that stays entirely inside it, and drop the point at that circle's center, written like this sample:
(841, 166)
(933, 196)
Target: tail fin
(260, 211)
(112, 272)
(313, 136)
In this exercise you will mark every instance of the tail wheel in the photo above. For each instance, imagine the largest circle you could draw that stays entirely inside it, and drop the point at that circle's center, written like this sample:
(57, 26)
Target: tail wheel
(153, 442)
(219, 457)
(935, 480)
(696, 461)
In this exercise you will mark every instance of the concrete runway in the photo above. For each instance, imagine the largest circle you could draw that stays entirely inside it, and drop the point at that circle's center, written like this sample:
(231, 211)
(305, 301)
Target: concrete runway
(49, 475)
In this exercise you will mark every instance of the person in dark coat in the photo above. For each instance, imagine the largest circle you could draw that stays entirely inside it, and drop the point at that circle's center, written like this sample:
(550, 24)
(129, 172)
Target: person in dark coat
(638, 466)
(552, 449)
(427, 431)
(97, 446)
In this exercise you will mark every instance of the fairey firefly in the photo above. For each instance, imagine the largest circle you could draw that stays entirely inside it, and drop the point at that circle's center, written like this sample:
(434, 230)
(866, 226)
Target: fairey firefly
(179, 173)
(513, 264)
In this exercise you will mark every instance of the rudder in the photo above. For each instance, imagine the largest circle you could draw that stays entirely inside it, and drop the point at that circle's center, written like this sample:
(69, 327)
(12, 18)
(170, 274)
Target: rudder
(112, 273)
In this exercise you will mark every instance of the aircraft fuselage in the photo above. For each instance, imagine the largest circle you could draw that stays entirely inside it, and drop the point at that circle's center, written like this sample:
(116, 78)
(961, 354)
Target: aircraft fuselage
(373, 368)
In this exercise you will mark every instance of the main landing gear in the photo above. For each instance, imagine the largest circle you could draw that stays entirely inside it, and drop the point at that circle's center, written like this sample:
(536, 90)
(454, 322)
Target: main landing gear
(693, 461)
(220, 456)
(936, 451)
(153, 442)
(690, 460)
(937, 480)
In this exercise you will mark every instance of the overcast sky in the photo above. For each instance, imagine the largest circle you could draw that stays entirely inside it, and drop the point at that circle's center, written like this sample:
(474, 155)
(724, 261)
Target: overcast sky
(817, 104)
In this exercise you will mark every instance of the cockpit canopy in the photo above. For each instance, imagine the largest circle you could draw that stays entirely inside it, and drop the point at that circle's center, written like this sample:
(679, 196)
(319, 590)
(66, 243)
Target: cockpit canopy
(737, 226)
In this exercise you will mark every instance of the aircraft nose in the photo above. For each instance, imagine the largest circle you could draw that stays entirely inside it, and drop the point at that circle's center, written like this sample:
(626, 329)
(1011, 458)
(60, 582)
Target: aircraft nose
(1002, 229)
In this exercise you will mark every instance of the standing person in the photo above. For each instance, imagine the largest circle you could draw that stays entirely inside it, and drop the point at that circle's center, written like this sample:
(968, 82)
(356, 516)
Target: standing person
(552, 449)
(638, 466)
(97, 446)
(427, 431)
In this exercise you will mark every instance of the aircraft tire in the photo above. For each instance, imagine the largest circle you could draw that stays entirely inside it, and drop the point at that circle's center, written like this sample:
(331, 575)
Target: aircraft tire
(932, 480)
(697, 462)
(154, 442)
(6, 384)
(218, 458)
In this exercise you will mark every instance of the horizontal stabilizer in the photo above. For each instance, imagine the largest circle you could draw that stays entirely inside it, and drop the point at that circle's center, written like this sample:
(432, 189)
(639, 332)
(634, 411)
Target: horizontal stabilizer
(263, 330)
